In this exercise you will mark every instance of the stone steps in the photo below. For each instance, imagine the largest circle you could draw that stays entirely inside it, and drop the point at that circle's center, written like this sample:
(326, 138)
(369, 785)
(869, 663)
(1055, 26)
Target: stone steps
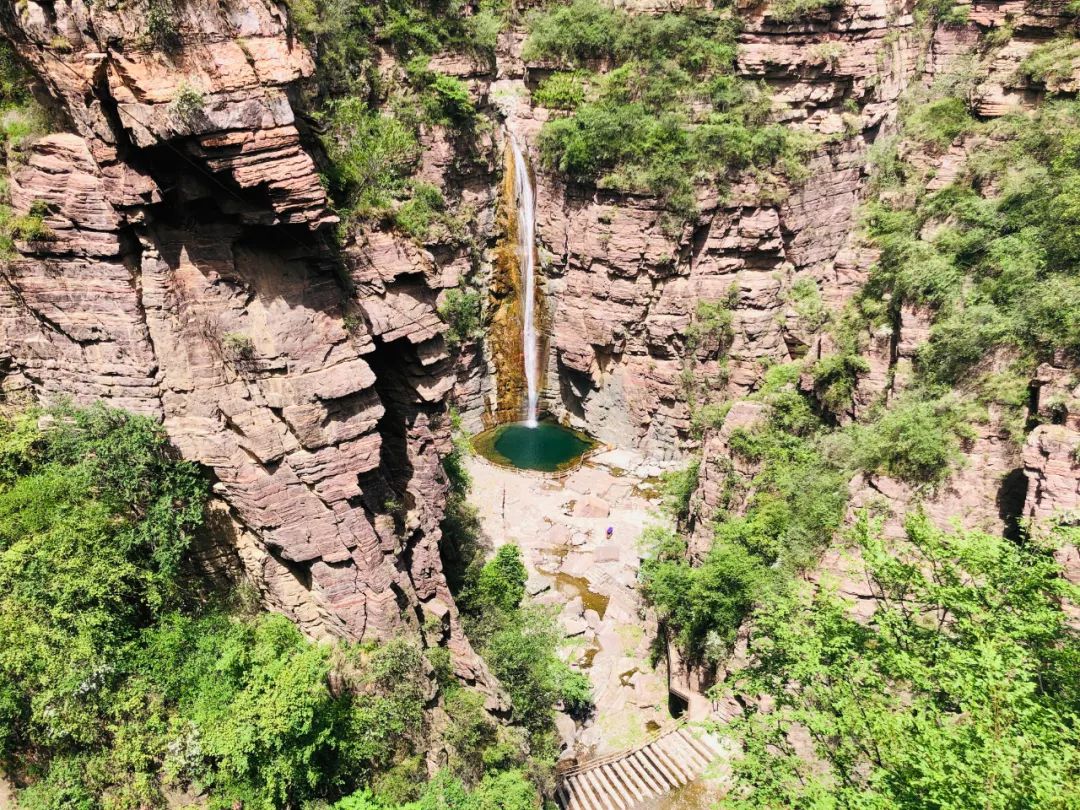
(625, 780)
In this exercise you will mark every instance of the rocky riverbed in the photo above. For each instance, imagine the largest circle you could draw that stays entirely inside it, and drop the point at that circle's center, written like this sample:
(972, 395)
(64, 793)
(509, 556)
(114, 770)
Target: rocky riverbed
(589, 580)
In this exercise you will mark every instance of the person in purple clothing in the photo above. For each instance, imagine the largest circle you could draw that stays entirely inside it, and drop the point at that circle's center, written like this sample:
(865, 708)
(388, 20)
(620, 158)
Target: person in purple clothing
(610, 531)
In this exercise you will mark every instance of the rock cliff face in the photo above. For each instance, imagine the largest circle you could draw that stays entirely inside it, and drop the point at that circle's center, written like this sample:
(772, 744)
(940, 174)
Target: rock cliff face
(626, 285)
(189, 274)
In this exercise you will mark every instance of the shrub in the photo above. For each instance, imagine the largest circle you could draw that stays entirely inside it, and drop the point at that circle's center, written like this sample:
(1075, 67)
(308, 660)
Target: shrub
(521, 654)
(916, 441)
(561, 91)
(188, 104)
(21, 119)
(806, 300)
(372, 155)
(30, 227)
(238, 347)
(710, 416)
(484, 28)
(835, 378)
(573, 33)
(161, 24)
(1053, 64)
(460, 310)
(501, 582)
(948, 12)
(677, 488)
(938, 123)
(471, 731)
(447, 101)
(959, 342)
(575, 692)
(702, 606)
(509, 790)
(790, 10)
(416, 215)
(712, 328)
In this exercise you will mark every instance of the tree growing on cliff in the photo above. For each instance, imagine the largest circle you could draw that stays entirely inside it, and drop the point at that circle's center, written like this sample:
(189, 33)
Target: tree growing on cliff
(962, 690)
(121, 674)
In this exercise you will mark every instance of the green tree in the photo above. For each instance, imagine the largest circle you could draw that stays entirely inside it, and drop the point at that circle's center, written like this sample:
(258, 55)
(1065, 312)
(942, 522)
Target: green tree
(501, 583)
(121, 674)
(960, 691)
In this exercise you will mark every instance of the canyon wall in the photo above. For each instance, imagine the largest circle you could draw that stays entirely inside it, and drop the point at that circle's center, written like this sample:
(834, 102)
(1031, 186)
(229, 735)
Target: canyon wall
(623, 285)
(626, 284)
(190, 272)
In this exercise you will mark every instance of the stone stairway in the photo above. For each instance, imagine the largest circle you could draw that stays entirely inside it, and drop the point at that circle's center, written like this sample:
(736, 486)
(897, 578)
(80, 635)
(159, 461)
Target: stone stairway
(623, 780)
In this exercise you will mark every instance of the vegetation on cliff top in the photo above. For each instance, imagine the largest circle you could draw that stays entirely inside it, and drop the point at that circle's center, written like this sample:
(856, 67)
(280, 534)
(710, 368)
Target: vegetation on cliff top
(374, 117)
(668, 114)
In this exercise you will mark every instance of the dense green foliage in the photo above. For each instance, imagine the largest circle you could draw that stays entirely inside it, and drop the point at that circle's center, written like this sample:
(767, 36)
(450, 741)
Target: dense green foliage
(562, 90)
(669, 115)
(1053, 63)
(508, 790)
(916, 440)
(677, 490)
(372, 119)
(120, 677)
(938, 123)
(787, 10)
(993, 255)
(461, 308)
(518, 641)
(797, 504)
(345, 37)
(372, 154)
(961, 691)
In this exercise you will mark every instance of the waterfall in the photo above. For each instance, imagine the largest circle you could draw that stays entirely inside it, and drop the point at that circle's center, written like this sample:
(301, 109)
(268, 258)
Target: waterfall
(526, 212)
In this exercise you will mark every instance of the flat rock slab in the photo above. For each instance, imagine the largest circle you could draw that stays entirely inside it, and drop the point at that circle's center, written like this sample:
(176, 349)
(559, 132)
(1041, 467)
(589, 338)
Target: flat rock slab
(620, 459)
(590, 506)
(590, 481)
(607, 554)
(559, 534)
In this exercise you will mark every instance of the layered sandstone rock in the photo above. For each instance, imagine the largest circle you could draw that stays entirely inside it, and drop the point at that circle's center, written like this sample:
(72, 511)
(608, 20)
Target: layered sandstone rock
(185, 274)
(625, 285)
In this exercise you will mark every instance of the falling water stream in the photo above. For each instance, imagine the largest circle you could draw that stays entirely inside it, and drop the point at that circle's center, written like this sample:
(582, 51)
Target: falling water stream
(526, 211)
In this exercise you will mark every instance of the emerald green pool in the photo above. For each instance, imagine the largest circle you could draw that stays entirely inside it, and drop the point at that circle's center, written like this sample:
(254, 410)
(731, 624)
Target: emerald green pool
(548, 447)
